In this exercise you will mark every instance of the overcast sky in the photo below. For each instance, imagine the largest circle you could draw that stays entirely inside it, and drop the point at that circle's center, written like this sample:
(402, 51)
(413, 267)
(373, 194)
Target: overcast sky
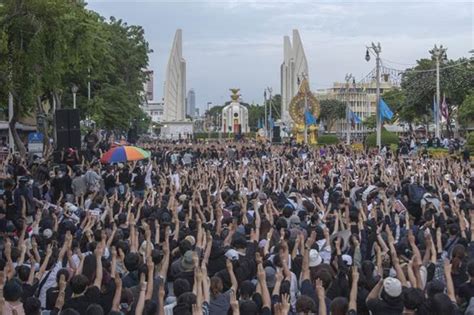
(240, 43)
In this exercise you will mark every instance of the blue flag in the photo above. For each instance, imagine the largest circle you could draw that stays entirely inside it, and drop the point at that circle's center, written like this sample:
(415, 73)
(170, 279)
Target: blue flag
(385, 112)
(354, 118)
(435, 108)
(271, 122)
(260, 124)
(309, 118)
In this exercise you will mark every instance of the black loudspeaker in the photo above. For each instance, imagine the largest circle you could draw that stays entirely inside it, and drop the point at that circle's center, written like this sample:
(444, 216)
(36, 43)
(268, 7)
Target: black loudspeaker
(68, 129)
(276, 134)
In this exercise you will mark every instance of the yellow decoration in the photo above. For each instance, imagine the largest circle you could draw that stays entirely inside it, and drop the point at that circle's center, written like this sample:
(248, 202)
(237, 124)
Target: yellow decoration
(296, 109)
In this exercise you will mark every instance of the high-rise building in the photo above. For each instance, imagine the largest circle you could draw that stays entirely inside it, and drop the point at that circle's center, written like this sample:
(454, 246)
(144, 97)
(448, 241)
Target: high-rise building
(293, 68)
(191, 103)
(148, 87)
(175, 82)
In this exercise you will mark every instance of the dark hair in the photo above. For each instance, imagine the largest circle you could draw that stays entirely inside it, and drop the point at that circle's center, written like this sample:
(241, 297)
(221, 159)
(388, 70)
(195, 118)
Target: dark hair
(23, 272)
(470, 268)
(94, 309)
(69, 311)
(305, 305)
(79, 284)
(339, 306)
(181, 286)
(412, 298)
(32, 306)
(441, 304)
(62, 271)
(12, 290)
(132, 261)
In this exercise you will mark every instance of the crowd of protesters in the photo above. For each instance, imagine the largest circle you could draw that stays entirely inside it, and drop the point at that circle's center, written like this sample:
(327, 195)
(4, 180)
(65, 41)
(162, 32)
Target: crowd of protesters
(238, 228)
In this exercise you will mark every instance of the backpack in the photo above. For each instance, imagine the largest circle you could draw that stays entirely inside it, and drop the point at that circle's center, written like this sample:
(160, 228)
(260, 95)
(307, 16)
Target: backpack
(416, 193)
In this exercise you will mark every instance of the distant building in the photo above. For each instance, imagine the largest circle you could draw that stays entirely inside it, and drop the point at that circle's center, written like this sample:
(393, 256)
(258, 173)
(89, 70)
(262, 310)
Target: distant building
(175, 82)
(191, 104)
(235, 116)
(294, 66)
(155, 111)
(148, 86)
(361, 99)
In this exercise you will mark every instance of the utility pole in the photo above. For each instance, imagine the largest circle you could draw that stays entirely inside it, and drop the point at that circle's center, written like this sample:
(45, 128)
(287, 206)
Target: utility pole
(11, 142)
(377, 49)
(346, 98)
(437, 53)
(265, 109)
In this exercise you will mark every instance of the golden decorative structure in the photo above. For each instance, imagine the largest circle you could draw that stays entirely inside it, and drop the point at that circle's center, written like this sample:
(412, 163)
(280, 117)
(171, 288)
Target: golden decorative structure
(297, 109)
(235, 95)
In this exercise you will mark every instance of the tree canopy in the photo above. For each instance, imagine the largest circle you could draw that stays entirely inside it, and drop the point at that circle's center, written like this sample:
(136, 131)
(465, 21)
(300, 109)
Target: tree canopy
(331, 111)
(46, 46)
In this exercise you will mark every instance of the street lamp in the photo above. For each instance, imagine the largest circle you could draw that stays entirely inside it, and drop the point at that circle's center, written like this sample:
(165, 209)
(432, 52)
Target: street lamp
(74, 90)
(377, 49)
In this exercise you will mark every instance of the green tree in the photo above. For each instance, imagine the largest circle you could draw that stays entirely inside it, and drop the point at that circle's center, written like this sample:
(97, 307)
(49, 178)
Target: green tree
(466, 110)
(370, 122)
(46, 46)
(331, 111)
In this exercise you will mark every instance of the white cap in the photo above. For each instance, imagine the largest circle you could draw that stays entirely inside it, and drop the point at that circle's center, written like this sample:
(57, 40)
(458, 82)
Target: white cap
(314, 258)
(232, 254)
(392, 286)
(347, 259)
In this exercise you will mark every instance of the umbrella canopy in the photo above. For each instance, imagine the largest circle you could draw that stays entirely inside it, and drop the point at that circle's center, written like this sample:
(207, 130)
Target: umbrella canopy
(123, 154)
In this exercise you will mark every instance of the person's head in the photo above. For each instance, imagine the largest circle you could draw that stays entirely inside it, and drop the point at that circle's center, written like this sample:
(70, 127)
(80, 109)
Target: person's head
(339, 306)
(181, 286)
(470, 268)
(132, 261)
(32, 306)
(12, 290)
(305, 305)
(247, 288)
(62, 272)
(412, 298)
(94, 309)
(216, 286)
(79, 284)
(441, 304)
(23, 272)
(392, 288)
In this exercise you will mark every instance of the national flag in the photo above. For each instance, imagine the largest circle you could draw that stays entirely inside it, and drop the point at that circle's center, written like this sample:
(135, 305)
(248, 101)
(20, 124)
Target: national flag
(260, 123)
(309, 118)
(444, 109)
(354, 118)
(385, 111)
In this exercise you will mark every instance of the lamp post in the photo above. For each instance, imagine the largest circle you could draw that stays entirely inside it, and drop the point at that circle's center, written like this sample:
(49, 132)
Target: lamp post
(303, 77)
(377, 49)
(269, 89)
(74, 90)
(437, 53)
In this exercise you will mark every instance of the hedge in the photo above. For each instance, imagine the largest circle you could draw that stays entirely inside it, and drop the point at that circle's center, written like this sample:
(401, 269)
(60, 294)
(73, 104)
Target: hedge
(215, 135)
(388, 138)
(328, 139)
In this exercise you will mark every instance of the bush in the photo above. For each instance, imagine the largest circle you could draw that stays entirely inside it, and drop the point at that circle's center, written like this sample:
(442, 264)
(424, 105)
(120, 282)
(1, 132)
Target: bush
(438, 153)
(388, 138)
(215, 135)
(328, 139)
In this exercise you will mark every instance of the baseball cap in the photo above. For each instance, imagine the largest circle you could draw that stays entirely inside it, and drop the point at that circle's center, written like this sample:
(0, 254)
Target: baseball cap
(314, 258)
(392, 286)
(270, 273)
(347, 259)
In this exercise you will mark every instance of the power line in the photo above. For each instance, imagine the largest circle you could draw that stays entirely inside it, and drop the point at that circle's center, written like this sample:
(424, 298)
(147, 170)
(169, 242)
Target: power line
(428, 70)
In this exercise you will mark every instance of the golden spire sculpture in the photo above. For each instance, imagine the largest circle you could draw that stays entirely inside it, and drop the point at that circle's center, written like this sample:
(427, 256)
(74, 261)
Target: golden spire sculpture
(235, 94)
(297, 112)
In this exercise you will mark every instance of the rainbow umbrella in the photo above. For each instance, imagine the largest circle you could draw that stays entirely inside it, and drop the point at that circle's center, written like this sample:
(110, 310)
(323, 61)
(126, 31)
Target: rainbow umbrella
(123, 154)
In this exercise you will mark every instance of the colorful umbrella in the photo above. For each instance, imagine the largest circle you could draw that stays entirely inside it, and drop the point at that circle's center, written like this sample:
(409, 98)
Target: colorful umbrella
(123, 154)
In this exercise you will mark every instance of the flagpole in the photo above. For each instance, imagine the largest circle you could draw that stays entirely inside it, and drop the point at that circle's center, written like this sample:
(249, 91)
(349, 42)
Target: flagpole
(377, 49)
(437, 53)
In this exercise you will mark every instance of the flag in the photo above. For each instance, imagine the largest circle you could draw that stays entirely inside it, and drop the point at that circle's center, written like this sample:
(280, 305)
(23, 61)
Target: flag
(444, 109)
(385, 112)
(271, 122)
(435, 109)
(309, 118)
(260, 124)
(353, 118)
